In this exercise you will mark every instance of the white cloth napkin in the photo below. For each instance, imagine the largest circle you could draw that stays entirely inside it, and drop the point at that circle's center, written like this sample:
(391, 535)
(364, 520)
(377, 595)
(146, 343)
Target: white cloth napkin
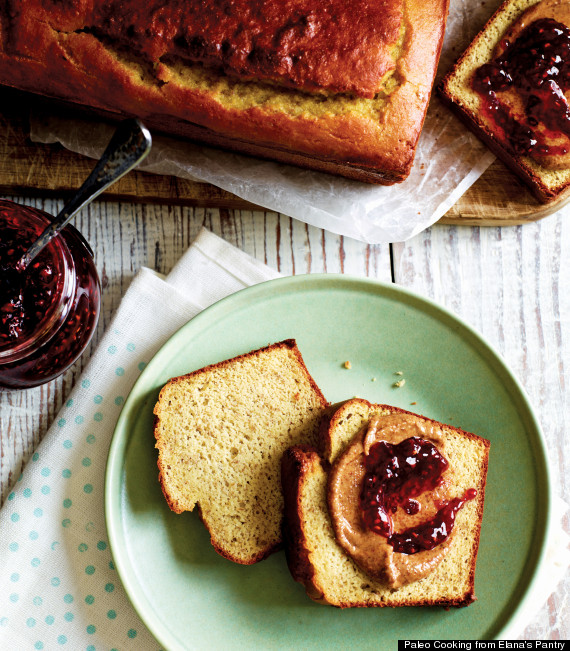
(58, 586)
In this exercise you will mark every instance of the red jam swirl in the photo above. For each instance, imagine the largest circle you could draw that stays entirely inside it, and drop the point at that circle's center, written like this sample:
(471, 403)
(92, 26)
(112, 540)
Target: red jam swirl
(537, 66)
(395, 474)
(430, 534)
(49, 311)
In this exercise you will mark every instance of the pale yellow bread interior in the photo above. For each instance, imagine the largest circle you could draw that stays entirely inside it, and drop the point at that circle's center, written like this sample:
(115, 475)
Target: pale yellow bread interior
(221, 432)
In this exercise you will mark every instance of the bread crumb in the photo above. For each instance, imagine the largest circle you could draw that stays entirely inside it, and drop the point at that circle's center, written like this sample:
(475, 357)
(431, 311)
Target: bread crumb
(347, 364)
(373, 379)
(399, 383)
(413, 403)
(399, 373)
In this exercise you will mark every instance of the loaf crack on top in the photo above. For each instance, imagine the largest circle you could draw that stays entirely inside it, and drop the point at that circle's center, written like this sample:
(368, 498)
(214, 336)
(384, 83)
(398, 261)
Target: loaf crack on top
(234, 87)
(332, 86)
(281, 42)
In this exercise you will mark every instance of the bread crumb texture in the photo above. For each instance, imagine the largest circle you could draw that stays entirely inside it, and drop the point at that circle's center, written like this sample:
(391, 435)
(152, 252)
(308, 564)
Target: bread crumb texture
(221, 432)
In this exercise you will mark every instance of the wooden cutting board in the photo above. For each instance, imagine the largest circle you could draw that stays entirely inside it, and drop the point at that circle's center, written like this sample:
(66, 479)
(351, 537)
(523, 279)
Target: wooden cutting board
(29, 169)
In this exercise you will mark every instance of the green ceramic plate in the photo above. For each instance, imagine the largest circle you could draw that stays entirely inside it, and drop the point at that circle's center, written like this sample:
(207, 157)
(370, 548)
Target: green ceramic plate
(189, 597)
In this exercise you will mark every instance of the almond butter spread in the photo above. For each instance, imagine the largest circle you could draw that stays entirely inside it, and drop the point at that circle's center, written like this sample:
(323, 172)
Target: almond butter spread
(390, 502)
(526, 87)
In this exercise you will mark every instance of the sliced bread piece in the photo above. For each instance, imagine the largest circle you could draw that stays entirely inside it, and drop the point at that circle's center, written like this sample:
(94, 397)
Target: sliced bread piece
(221, 432)
(548, 177)
(316, 559)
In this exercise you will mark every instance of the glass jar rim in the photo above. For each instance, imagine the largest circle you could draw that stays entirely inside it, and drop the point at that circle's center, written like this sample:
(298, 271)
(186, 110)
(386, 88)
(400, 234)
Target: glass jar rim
(46, 327)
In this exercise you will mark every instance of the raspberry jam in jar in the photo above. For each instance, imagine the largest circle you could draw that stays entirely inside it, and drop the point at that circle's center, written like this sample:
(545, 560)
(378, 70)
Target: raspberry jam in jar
(49, 311)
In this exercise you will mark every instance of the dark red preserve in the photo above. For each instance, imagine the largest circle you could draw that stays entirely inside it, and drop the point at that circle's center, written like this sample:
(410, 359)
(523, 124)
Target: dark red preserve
(395, 474)
(537, 66)
(48, 313)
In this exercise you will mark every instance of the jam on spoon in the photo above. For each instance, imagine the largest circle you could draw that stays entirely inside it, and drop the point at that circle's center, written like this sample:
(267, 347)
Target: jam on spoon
(49, 288)
(49, 312)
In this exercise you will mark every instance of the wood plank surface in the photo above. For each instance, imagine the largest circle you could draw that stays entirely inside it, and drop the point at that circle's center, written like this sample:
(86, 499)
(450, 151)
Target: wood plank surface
(32, 169)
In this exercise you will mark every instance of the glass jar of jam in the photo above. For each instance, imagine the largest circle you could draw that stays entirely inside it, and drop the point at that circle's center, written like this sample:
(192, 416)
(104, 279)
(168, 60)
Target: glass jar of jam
(49, 311)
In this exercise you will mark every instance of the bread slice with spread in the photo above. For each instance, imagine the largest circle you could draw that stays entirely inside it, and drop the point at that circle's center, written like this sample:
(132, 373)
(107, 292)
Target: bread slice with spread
(339, 559)
(221, 432)
(511, 87)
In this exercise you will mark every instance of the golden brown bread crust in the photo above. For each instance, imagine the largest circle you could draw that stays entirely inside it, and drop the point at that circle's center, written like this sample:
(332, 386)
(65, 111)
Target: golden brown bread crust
(302, 110)
(299, 462)
(296, 463)
(292, 42)
(456, 92)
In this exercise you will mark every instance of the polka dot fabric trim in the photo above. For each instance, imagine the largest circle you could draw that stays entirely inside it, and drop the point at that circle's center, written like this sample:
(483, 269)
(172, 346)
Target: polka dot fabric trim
(59, 588)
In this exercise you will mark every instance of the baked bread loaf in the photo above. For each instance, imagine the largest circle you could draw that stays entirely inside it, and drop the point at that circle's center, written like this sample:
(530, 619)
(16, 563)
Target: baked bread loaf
(221, 432)
(315, 557)
(335, 86)
(511, 87)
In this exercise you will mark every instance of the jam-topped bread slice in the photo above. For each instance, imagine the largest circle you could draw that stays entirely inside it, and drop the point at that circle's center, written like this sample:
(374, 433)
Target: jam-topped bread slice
(387, 512)
(336, 86)
(221, 432)
(511, 87)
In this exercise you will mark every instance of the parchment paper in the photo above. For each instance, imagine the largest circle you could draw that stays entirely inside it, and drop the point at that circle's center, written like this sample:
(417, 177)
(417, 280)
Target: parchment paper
(448, 161)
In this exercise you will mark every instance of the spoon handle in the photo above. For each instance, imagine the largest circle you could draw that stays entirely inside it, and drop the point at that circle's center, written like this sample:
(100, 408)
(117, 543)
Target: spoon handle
(127, 148)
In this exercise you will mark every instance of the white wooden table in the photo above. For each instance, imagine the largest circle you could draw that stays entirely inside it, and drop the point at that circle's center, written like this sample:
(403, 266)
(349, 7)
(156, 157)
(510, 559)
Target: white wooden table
(512, 284)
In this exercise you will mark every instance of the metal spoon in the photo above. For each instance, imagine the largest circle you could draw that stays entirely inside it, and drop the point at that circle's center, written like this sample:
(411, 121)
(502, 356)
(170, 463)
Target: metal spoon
(127, 148)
